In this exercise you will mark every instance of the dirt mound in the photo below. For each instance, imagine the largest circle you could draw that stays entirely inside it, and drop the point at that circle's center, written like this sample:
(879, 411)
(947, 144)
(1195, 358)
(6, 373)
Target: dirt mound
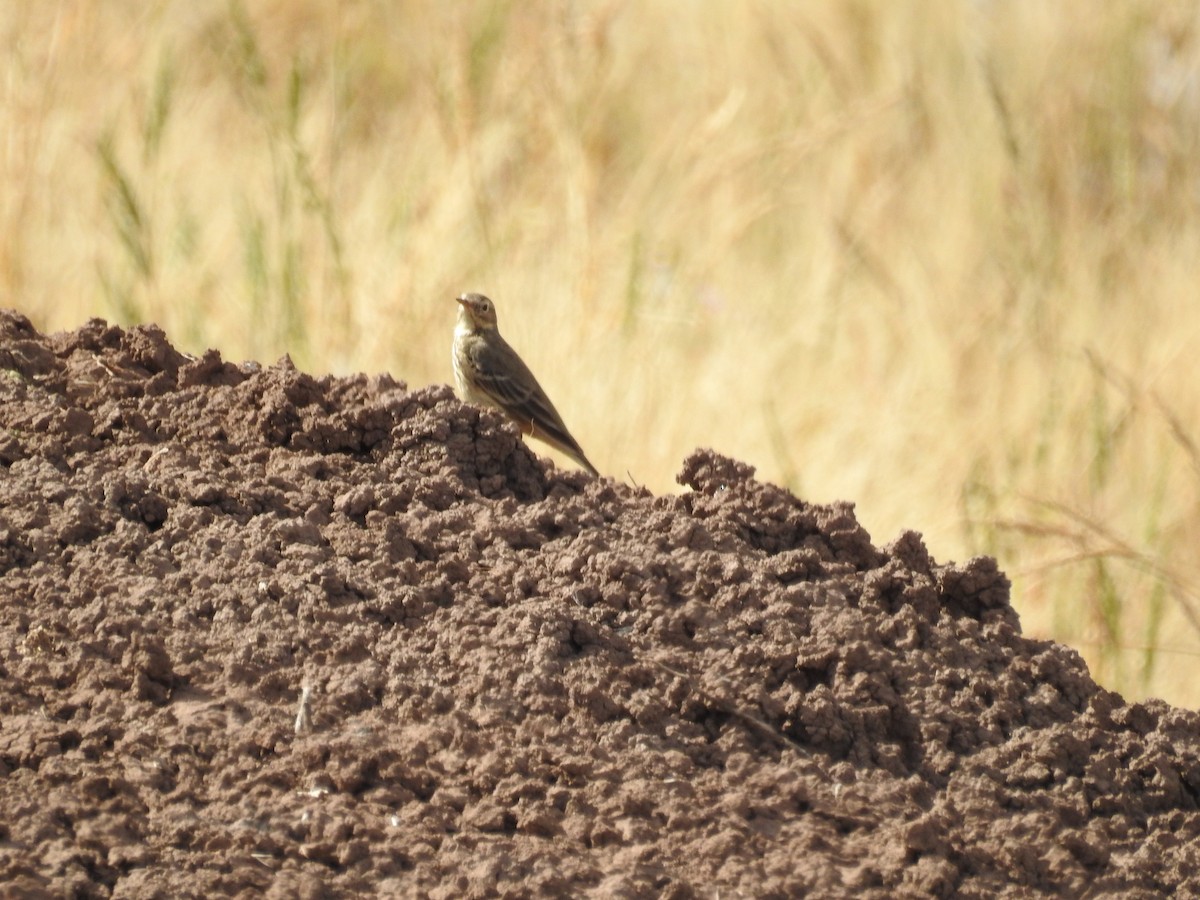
(516, 680)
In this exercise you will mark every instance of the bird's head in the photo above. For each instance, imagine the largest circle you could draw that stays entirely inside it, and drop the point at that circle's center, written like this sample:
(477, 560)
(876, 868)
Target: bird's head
(477, 311)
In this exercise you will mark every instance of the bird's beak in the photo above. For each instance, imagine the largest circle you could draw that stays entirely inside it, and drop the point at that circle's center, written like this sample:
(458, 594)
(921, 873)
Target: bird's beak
(461, 301)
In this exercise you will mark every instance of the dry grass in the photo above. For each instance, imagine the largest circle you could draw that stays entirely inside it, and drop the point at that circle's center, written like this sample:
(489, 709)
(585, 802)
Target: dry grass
(936, 258)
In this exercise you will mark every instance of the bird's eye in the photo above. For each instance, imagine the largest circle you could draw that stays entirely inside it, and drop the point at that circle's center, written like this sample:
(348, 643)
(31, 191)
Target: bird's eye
(485, 306)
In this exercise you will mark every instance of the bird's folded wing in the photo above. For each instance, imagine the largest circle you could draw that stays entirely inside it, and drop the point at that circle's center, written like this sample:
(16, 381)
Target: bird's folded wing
(504, 377)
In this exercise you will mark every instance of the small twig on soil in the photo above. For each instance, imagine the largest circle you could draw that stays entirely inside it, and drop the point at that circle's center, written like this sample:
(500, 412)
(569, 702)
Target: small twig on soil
(303, 719)
(729, 708)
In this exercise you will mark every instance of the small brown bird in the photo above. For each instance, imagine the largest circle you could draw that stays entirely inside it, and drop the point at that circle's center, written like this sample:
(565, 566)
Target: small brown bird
(488, 372)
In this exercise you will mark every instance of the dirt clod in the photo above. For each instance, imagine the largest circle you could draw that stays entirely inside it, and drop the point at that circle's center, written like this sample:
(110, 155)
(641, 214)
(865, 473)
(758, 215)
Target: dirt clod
(516, 680)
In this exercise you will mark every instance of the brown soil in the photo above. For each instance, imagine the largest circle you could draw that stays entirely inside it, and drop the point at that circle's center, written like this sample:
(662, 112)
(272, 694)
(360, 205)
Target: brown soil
(519, 681)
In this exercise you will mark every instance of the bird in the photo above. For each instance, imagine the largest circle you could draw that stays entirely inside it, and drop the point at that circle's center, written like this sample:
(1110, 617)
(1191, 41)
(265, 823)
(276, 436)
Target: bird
(488, 372)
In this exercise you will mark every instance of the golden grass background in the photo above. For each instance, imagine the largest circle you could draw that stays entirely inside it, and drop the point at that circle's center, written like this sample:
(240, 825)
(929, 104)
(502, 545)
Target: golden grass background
(940, 259)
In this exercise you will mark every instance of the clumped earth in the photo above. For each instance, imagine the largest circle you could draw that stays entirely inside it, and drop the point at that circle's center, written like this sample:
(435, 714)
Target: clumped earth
(268, 634)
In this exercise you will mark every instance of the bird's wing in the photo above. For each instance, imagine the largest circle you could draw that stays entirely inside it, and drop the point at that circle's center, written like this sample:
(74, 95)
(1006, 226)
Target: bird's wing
(504, 377)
